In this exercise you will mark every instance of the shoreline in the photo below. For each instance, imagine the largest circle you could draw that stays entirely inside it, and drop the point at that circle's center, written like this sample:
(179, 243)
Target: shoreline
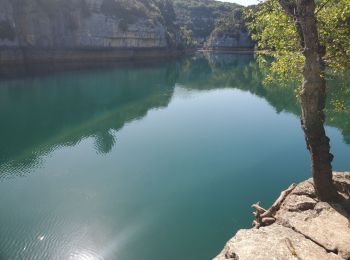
(302, 227)
(14, 56)
(227, 50)
(88, 58)
(23, 56)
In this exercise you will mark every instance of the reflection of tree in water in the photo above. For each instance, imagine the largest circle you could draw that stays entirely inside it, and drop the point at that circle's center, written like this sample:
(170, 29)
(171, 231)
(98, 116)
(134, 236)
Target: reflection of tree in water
(44, 113)
(104, 142)
(241, 71)
(338, 105)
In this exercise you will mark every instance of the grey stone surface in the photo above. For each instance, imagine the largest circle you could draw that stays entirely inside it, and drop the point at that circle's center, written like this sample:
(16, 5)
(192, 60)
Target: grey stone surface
(78, 30)
(230, 39)
(272, 242)
(305, 228)
(37, 27)
(326, 224)
(43, 30)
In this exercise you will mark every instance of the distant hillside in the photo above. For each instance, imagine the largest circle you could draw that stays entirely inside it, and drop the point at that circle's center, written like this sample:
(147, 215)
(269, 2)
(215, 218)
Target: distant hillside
(230, 33)
(201, 16)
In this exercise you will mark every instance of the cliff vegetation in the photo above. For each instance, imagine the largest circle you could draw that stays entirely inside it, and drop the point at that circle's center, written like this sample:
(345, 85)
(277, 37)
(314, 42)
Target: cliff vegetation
(38, 30)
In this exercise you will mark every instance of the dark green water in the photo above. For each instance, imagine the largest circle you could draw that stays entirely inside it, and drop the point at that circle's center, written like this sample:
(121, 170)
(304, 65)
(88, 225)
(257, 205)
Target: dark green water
(158, 161)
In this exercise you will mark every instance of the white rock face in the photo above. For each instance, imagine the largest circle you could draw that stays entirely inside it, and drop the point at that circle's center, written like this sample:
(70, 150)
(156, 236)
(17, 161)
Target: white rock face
(272, 242)
(85, 25)
(305, 228)
(6, 14)
(232, 39)
(36, 31)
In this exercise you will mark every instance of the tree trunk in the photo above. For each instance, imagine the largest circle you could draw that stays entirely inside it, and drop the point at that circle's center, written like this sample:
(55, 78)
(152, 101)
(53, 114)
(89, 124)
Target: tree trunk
(312, 99)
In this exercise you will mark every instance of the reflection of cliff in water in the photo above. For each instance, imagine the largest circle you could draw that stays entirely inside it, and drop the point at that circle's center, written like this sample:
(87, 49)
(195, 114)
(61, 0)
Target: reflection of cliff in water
(241, 71)
(47, 112)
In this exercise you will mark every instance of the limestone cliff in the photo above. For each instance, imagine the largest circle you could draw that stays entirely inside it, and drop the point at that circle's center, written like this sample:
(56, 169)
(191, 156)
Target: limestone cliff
(38, 29)
(201, 16)
(231, 39)
(230, 33)
(107, 30)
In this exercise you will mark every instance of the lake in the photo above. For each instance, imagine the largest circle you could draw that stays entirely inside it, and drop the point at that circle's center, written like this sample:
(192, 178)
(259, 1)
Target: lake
(148, 161)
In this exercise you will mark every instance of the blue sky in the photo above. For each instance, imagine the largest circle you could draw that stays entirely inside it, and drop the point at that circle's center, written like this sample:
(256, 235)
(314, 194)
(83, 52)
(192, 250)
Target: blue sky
(242, 2)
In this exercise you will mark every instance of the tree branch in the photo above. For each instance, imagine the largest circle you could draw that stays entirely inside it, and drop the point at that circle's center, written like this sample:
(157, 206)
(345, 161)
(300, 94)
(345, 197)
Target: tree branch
(289, 7)
(322, 6)
(265, 217)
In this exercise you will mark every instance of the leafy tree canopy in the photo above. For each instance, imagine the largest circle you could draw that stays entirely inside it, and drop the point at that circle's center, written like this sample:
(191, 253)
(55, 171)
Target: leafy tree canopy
(276, 35)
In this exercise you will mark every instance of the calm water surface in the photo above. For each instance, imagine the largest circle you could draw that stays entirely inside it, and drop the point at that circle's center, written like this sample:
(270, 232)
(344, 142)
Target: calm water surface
(156, 161)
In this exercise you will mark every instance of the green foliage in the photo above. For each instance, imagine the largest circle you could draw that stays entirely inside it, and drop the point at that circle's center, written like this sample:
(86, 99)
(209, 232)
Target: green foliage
(338, 103)
(281, 61)
(154, 11)
(7, 31)
(236, 22)
(334, 27)
(232, 25)
(200, 16)
(276, 35)
(233, 22)
(206, 4)
(126, 10)
(186, 38)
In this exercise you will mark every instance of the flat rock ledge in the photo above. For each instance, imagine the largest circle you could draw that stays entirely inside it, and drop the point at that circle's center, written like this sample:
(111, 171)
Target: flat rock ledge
(305, 228)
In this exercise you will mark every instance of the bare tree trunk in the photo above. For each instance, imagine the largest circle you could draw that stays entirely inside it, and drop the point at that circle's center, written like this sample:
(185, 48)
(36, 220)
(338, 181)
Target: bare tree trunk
(313, 96)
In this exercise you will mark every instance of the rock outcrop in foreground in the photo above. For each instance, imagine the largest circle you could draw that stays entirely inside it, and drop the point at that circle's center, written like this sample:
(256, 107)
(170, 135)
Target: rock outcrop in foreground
(305, 228)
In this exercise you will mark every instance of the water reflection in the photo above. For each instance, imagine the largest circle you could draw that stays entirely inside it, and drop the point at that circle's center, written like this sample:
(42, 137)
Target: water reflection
(40, 113)
(126, 156)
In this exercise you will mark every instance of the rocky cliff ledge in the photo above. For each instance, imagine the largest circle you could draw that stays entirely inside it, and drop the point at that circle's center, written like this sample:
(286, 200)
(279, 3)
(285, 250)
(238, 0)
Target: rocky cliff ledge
(230, 39)
(231, 33)
(65, 30)
(304, 228)
(35, 31)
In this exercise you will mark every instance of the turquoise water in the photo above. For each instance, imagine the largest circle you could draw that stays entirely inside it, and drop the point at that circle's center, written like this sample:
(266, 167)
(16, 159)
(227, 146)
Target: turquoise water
(152, 161)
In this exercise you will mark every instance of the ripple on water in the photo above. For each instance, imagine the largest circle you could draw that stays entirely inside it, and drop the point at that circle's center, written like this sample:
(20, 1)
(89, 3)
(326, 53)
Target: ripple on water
(51, 238)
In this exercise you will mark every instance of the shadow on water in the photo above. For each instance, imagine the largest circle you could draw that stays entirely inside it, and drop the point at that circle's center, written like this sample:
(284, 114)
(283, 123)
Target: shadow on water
(41, 113)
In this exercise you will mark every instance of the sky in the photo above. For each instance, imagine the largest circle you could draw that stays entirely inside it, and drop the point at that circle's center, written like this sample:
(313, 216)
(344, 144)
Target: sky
(242, 2)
